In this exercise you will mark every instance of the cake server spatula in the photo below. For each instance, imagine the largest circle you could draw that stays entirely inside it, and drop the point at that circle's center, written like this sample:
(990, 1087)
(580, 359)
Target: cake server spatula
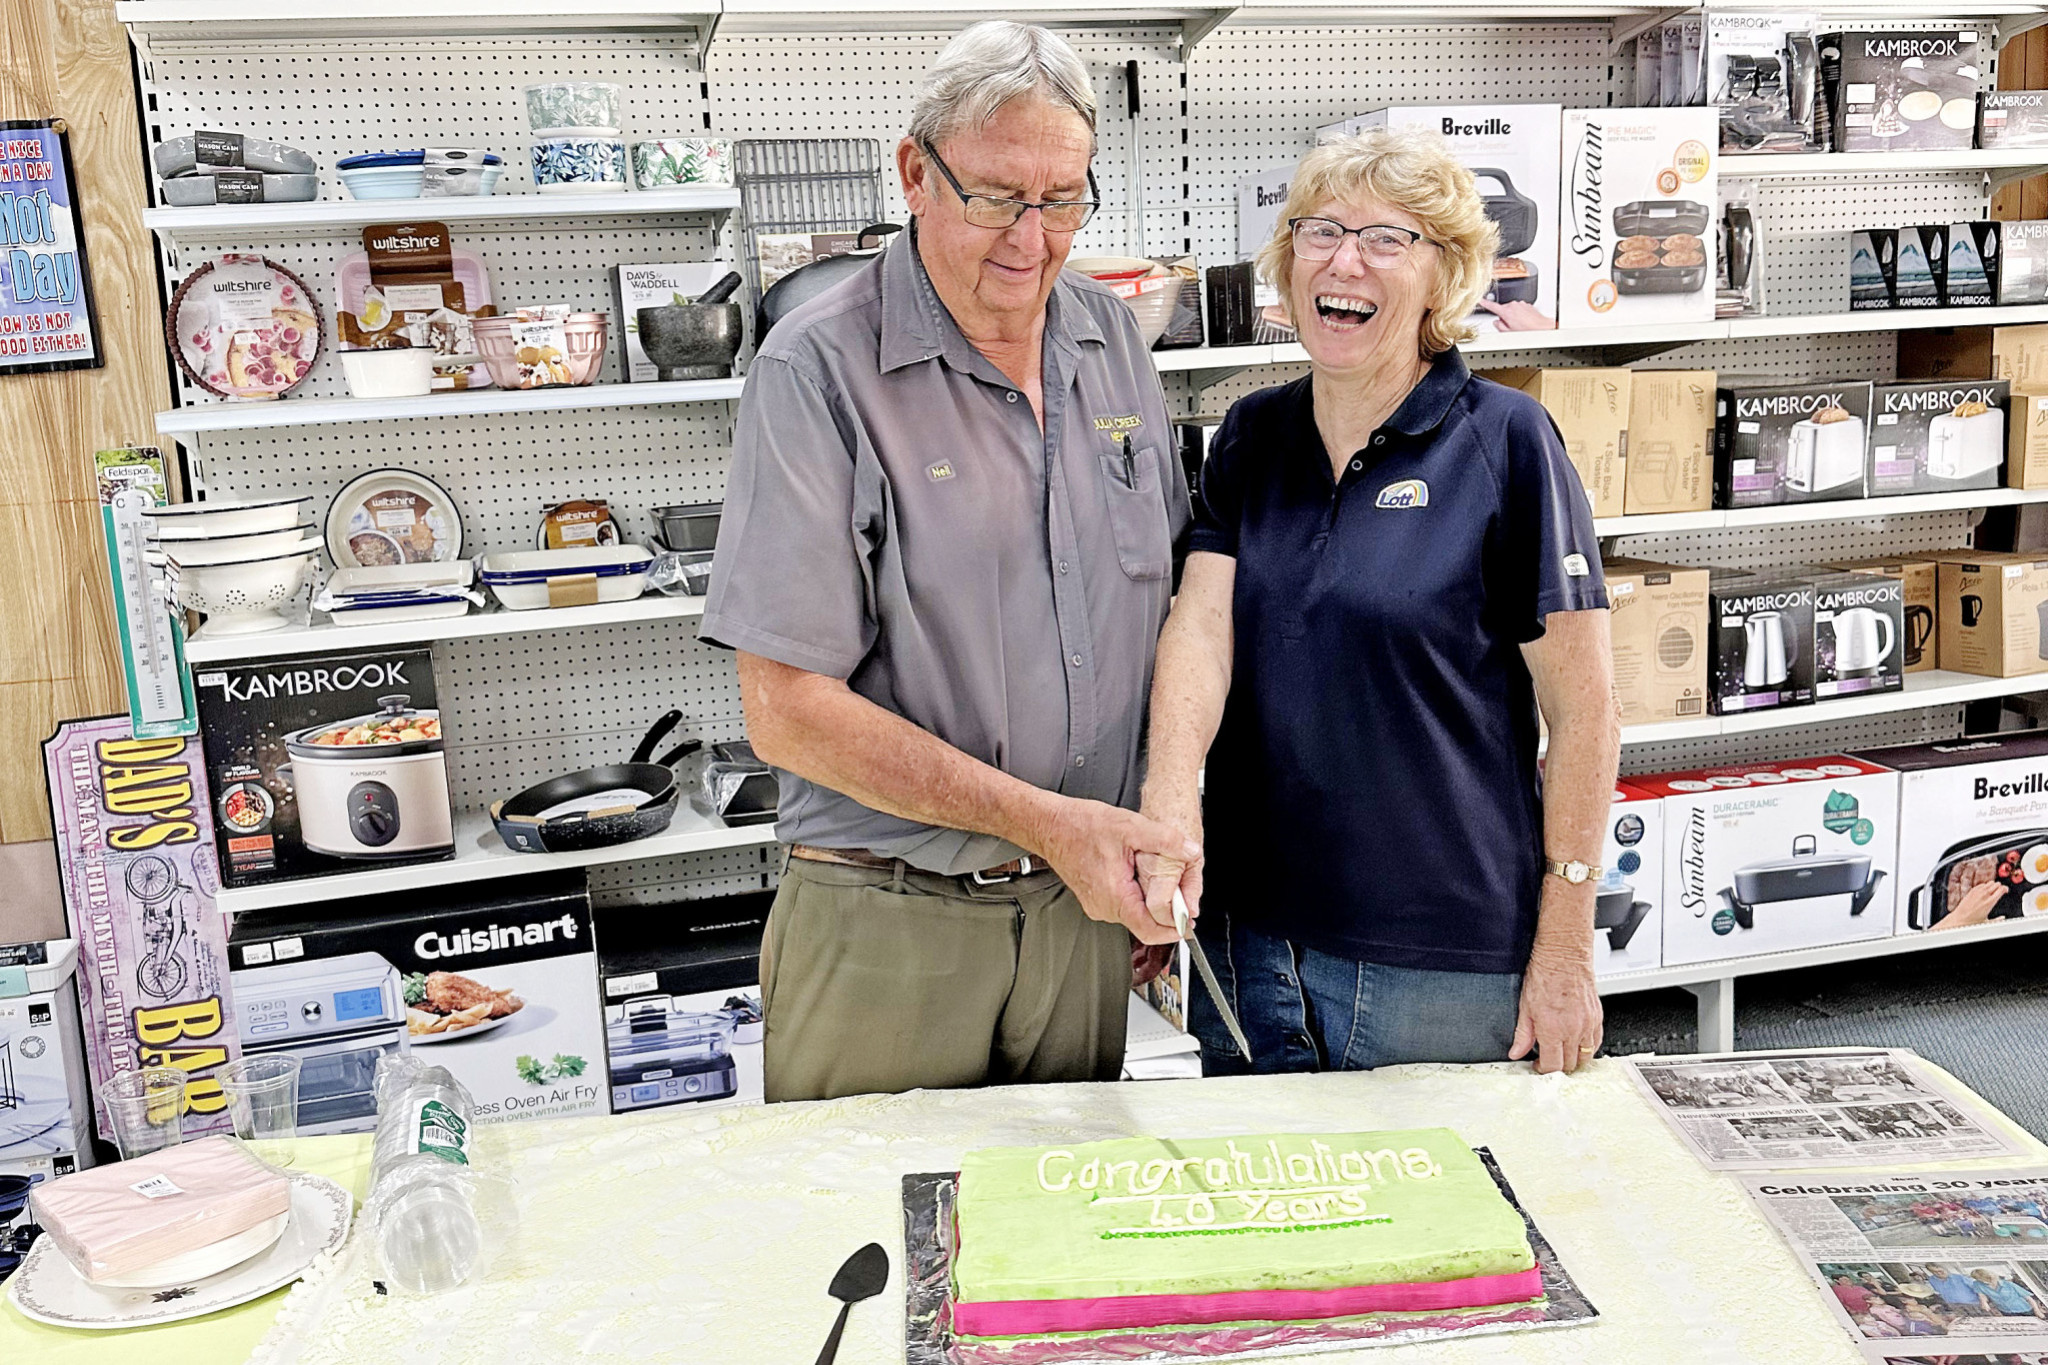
(1185, 929)
(865, 1274)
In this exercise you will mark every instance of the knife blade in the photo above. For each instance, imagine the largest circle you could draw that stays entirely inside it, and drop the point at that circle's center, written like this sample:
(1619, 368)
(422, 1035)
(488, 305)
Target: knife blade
(1185, 929)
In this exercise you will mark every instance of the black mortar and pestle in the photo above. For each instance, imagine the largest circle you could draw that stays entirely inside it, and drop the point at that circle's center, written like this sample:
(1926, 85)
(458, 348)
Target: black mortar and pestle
(694, 340)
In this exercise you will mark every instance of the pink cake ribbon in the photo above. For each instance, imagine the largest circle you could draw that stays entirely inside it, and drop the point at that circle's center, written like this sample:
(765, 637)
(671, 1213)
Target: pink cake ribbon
(1036, 1317)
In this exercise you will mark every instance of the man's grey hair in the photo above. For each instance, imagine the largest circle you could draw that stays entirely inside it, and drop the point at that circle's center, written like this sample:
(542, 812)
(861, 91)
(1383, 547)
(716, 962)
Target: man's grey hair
(991, 64)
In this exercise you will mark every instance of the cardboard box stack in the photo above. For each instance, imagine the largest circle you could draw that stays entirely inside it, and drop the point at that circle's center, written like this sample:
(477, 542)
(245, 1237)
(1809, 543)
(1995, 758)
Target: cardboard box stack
(1591, 409)
(1670, 463)
(1660, 634)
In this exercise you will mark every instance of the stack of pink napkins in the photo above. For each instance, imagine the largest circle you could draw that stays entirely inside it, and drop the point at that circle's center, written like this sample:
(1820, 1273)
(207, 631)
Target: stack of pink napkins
(115, 1220)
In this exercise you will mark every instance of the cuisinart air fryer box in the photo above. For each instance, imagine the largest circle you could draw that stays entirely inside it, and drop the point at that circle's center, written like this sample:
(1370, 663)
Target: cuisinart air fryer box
(1993, 614)
(1628, 933)
(1658, 624)
(45, 1108)
(1973, 814)
(1511, 150)
(1778, 443)
(1768, 857)
(2012, 118)
(496, 982)
(651, 285)
(682, 1002)
(1859, 632)
(324, 763)
(1935, 437)
(1908, 91)
(1638, 202)
(1763, 640)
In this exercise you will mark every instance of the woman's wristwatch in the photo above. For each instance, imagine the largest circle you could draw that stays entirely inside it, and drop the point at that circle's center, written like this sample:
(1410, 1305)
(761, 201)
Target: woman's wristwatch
(1575, 872)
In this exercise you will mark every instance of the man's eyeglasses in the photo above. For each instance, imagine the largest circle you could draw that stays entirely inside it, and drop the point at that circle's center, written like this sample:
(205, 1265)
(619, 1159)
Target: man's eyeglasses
(993, 211)
(1317, 239)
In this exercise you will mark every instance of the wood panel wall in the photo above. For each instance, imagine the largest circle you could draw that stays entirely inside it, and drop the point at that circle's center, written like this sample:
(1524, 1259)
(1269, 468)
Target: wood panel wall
(59, 654)
(2023, 65)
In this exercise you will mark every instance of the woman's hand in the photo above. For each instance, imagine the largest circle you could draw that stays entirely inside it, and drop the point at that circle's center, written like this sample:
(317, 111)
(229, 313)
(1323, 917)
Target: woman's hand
(1973, 908)
(1560, 1011)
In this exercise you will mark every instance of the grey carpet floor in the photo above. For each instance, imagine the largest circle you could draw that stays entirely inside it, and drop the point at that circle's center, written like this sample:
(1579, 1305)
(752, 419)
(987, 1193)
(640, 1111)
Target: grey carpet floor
(1980, 1012)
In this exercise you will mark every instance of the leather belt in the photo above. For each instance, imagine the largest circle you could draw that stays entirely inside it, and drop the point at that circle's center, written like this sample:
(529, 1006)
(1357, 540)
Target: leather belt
(860, 857)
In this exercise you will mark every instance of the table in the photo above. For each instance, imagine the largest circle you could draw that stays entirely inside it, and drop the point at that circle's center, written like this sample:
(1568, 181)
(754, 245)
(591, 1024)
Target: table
(709, 1236)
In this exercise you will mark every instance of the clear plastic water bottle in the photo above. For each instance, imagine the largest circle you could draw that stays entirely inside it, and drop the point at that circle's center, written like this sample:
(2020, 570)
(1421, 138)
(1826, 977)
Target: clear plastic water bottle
(422, 1205)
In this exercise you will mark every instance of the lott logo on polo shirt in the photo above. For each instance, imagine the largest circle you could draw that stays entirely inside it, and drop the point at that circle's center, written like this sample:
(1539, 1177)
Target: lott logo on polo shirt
(1407, 493)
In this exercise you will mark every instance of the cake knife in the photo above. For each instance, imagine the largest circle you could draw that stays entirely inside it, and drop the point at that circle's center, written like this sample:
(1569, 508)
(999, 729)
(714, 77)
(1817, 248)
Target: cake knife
(1182, 927)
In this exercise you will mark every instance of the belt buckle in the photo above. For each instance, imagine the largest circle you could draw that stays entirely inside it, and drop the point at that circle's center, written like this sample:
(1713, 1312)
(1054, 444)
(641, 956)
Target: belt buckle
(981, 878)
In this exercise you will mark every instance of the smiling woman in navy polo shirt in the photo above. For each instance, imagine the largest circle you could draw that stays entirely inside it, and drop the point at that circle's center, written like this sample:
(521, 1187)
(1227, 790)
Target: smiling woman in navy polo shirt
(1393, 567)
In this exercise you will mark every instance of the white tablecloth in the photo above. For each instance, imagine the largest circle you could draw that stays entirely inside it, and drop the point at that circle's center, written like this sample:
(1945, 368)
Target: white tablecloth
(711, 1236)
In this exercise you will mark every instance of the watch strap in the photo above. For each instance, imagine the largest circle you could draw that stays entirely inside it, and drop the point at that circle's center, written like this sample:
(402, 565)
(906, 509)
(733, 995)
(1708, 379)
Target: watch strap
(1587, 872)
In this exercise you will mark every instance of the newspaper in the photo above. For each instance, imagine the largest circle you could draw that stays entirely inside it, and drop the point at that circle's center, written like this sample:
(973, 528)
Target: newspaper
(1946, 1266)
(1756, 1111)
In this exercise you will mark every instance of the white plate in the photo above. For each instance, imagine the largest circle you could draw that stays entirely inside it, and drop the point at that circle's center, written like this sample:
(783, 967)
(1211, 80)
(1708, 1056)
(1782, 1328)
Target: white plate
(428, 1039)
(49, 1290)
(431, 534)
(198, 1265)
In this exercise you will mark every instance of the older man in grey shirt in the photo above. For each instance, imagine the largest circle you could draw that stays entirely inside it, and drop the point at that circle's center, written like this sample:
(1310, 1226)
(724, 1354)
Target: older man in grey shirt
(946, 554)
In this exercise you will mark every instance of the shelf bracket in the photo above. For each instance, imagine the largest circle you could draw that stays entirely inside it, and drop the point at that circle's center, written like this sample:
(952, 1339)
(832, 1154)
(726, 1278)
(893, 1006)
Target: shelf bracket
(1636, 25)
(1193, 30)
(707, 29)
(1631, 352)
(1203, 379)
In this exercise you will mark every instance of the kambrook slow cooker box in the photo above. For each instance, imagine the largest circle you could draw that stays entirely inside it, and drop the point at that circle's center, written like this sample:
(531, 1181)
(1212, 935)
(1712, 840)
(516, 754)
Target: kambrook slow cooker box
(1637, 201)
(1768, 857)
(497, 983)
(682, 1002)
(322, 763)
(1937, 437)
(1972, 813)
(1776, 443)
(1628, 933)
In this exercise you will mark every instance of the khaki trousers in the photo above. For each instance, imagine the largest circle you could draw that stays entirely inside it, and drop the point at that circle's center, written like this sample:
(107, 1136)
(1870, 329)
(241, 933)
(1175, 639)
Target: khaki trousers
(873, 980)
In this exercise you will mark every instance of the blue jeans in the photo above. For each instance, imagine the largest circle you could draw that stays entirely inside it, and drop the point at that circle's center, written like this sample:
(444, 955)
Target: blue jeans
(1304, 1010)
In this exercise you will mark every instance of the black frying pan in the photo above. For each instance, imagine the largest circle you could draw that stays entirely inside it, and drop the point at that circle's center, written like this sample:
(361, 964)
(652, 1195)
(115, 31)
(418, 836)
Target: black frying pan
(597, 807)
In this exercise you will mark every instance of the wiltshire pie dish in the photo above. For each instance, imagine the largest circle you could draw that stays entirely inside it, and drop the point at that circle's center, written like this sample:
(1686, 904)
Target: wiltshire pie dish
(393, 516)
(245, 327)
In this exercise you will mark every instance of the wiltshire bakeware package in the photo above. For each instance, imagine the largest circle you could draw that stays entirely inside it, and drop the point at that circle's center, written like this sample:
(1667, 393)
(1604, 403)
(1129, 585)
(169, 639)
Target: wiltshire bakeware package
(321, 763)
(543, 347)
(1590, 407)
(1763, 75)
(45, 1108)
(682, 1007)
(1670, 464)
(650, 285)
(1929, 437)
(1903, 91)
(1776, 443)
(244, 326)
(1770, 857)
(1762, 625)
(1992, 613)
(1660, 639)
(392, 516)
(1973, 828)
(496, 982)
(1859, 633)
(1637, 199)
(135, 852)
(1628, 931)
(1918, 648)
(2012, 118)
(411, 285)
(209, 152)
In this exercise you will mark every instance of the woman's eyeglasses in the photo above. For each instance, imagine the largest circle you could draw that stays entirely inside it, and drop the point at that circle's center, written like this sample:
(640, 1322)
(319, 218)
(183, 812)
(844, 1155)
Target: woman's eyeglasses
(993, 211)
(1317, 239)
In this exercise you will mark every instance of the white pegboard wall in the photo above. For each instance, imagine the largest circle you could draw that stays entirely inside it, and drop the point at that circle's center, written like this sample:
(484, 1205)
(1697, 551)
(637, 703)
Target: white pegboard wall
(1822, 737)
(1815, 542)
(659, 881)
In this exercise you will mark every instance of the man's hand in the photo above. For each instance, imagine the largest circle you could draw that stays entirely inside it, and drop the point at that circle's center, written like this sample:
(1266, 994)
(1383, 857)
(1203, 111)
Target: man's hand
(1159, 874)
(1973, 908)
(1095, 848)
(1560, 1011)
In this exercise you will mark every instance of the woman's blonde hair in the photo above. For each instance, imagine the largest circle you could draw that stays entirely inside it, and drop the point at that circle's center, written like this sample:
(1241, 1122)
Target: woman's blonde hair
(1407, 169)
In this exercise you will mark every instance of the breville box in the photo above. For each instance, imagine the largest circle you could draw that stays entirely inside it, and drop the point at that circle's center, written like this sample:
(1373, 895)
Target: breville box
(2012, 118)
(1991, 617)
(1914, 90)
(1859, 633)
(1660, 634)
(1936, 437)
(1638, 200)
(1776, 443)
(1670, 464)
(2018, 355)
(1918, 645)
(1591, 409)
(1763, 640)
(1628, 931)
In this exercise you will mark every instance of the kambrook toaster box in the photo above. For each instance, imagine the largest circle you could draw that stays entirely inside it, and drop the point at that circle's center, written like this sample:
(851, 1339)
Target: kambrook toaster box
(1859, 633)
(497, 983)
(1628, 933)
(1763, 641)
(1777, 443)
(1908, 91)
(1934, 437)
(1660, 638)
(1638, 199)
(1973, 829)
(1769, 857)
(1993, 616)
(324, 763)
(682, 1002)
(1512, 152)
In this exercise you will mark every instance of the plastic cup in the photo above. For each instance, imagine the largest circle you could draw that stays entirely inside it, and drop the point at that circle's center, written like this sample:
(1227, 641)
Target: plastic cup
(263, 1100)
(147, 1109)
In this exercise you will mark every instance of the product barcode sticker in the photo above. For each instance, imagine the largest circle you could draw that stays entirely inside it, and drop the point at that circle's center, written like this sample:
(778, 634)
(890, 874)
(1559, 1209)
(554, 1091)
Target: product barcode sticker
(156, 1187)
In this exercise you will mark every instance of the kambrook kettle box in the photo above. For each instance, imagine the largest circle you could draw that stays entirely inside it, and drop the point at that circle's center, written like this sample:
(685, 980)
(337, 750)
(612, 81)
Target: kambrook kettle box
(1660, 638)
(1628, 933)
(1763, 640)
(1919, 649)
(1859, 633)
(1769, 857)
(1637, 196)
(1991, 612)
(1590, 407)
(1776, 443)
(1930, 437)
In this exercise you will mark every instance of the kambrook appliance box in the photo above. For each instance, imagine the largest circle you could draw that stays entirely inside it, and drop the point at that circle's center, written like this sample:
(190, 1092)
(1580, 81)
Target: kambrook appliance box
(1917, 579)
(498, 984)
(1859, 633)
(1638, 202)
(1910, 91)
(1658, 622)
(682, 1002)
(1763, 640)
(1628, 933)
(2012, 118)
(1769, 857)
(324, 763)
(1935, 437)
(1777, 443)
(1973, 829)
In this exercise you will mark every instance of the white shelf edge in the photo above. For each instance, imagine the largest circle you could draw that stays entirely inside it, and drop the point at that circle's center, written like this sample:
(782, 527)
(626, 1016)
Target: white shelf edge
(306, 639)
(240, 21)
(224, 220)
(1765, 166)
(1796, 513)
(1922, 690)
(300, 412)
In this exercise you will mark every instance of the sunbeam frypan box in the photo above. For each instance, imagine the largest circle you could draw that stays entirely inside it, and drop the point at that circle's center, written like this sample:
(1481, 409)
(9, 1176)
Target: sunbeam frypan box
(1628, 933)
(1972, 813)
(1637, 201)
(1769, 857)
(498, 984)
